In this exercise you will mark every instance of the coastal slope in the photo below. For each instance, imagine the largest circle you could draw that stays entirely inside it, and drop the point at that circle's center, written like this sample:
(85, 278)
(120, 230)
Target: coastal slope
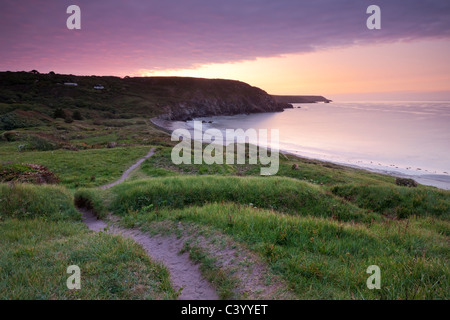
(210, 97)
(170, 98)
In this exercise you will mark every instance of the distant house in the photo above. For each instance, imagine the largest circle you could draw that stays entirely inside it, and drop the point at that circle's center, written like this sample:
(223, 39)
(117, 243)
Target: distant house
(71, 84)
(99, 87)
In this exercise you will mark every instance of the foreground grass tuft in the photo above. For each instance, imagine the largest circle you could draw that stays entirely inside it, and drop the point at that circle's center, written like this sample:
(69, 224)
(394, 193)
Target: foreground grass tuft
(325, 259)
(91, 199)
(21, 201)
(399, 202)
(277, 193)
(35, 254)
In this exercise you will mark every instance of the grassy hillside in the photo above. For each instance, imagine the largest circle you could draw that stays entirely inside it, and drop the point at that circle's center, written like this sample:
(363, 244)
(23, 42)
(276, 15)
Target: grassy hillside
(123, 98)
(316, 228)
(280, 194)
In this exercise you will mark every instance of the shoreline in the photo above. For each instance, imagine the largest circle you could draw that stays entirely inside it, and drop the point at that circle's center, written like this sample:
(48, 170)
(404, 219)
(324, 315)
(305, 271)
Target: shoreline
(433, 180)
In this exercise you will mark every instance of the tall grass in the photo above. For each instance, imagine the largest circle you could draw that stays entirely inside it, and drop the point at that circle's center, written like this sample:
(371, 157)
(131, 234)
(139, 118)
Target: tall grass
(399, 202)
(35, 254)
(91, 199)
(323, 258)
(282, 194)
(21, 201)
(84, 168)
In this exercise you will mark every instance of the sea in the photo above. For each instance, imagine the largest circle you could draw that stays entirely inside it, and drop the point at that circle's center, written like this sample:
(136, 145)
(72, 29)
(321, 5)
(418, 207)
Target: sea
(399, 138)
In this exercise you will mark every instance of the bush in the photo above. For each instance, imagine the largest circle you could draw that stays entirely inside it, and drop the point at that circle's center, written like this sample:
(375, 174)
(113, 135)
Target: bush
(10, 136)
(405, 182)
(59, 113)
(40, 144)
(77, 115)
(68, 119)
(32, 173)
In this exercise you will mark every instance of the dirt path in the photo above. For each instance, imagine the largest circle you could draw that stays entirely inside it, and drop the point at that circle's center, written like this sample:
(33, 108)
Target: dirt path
(129, 170)
(184, 273)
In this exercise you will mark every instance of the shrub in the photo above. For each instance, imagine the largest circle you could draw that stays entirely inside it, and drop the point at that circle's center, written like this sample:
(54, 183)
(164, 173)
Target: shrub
(405, 182)
(77, 115)
(40, 144)
(32, 173)
(68, 119)
(59, 113)
(10, 136)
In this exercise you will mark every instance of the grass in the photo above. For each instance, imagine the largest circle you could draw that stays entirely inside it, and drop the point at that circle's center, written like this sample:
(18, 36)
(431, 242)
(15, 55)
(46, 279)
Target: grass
(396, 201)
(318, 227)
(221, 280)
(323, 258)
(84, 168)
(35, 254)
(91, 199)
(311, 171)
(41, 235)
(278, 193)
(29, 201)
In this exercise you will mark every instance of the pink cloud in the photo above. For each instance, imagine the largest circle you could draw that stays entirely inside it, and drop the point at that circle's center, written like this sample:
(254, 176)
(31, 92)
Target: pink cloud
(120, 37)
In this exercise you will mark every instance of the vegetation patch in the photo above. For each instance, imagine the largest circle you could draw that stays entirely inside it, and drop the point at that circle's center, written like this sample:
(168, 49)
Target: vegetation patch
(277, 193)
(85, 168)
(22, 119)
(30, 201)
(92, 200)
(222, 281)
(398, 202)
(35, 254)
(31, 173)
(321, 258)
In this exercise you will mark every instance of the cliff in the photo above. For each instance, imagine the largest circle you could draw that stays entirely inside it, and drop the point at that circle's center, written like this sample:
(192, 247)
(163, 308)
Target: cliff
(209, 97)
(170, 98)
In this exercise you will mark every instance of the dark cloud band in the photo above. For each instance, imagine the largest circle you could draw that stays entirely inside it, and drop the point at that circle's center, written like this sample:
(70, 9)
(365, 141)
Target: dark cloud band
(179, 34)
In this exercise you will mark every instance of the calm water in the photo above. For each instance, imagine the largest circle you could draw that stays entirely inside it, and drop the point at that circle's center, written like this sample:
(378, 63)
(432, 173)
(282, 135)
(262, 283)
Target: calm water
(400, 138)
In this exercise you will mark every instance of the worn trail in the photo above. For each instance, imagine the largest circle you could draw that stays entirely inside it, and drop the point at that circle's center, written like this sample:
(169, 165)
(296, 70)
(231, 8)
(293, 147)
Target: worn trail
(184, 274)
(126, 174)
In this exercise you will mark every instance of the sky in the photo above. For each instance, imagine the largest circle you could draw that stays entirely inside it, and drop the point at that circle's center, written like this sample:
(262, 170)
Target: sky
(309, 47)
